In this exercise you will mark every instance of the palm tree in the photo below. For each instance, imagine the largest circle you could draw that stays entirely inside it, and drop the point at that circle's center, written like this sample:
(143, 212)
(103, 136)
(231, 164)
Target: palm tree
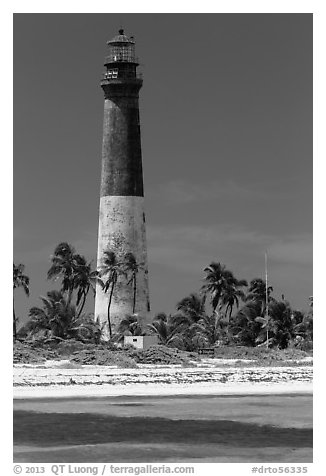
(57, 316)
(257, 293)
(192, 307)
(20, 280)
(232, 292)
(85, 279)
(130, 325)
(278, 327)
(206, 331)
(308, 320)
(64, 266)
(302, 323)
(76, 274)
(244, 326)
(260, 292)
(111, 268)
(131, 266)
(164, 327)
(87, 329)
(190, 310)
(303, 328)
(267, 330)
(214, 282)
(224, 289)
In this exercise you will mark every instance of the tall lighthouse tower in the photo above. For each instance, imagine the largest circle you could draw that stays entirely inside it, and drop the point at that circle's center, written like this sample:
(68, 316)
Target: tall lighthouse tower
(122, 216)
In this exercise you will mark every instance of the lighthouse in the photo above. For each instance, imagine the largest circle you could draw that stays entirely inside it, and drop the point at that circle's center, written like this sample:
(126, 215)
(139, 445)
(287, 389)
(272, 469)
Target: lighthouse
(121, 230)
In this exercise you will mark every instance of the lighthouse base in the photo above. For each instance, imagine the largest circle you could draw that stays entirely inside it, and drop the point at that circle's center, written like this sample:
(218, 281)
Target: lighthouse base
(122, 231)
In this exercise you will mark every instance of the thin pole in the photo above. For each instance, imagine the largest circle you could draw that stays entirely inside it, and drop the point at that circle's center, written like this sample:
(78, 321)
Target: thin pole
(266, 291)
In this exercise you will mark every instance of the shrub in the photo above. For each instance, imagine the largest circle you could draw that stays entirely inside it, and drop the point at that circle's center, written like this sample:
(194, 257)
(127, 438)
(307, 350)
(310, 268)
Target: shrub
(160, 354)
(101, 356)
(24, 353)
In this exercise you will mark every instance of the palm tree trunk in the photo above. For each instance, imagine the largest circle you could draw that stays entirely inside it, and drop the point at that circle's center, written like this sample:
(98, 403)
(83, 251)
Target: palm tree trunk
(109, 305)
(84, 300)
(82, 304)
(134, 298)
(231, 309)
(14, 321)
(215, 302)
(70, 291)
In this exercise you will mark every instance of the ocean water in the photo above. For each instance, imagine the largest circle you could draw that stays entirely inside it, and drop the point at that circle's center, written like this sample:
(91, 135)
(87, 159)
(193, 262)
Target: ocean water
(253, 428)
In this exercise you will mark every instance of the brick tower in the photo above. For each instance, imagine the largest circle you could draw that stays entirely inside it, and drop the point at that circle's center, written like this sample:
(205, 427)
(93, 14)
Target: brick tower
(122, 216)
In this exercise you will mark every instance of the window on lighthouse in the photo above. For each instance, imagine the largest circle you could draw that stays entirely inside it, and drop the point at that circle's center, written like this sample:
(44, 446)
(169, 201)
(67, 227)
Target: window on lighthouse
(112, 73)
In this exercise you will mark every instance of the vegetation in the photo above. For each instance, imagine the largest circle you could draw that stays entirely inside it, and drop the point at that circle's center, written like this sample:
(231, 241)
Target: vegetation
(130, 325)
(78, 353)
(113, 269)
(59, 319)
(110, 268)
(167, 331)
(224, 289)
(61, 314)
(131, 268)
(75, 274)
(226, 313)
(160, 354)
(20, 280)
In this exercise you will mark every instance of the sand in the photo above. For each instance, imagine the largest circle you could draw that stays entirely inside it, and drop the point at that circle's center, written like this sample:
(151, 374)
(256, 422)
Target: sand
(53, 380)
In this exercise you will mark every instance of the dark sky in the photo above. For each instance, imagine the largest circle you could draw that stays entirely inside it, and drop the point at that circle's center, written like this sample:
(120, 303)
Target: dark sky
(226, 120)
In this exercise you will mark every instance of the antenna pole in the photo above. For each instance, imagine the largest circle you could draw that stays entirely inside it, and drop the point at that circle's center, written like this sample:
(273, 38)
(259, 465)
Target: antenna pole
(266, 291)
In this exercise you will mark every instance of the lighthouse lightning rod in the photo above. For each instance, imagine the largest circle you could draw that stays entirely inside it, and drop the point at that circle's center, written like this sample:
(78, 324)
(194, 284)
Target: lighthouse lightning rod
(266, 291)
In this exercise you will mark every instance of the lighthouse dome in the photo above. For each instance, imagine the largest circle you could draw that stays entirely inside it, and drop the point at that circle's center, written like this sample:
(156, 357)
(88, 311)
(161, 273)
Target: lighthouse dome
(121, 38)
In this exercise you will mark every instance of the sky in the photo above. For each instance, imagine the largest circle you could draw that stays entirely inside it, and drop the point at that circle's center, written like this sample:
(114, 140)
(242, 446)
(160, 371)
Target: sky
(226, 123)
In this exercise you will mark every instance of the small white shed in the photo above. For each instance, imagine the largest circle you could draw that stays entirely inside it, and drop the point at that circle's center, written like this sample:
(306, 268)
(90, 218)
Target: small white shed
(140, 342)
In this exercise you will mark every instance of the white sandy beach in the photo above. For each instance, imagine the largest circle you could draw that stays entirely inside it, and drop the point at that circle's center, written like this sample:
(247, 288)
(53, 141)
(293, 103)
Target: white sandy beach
(54, 381)
(58, 391)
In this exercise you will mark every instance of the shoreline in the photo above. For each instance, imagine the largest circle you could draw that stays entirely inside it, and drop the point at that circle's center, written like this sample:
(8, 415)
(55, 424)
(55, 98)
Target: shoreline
(159, 390)
(35, 381)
